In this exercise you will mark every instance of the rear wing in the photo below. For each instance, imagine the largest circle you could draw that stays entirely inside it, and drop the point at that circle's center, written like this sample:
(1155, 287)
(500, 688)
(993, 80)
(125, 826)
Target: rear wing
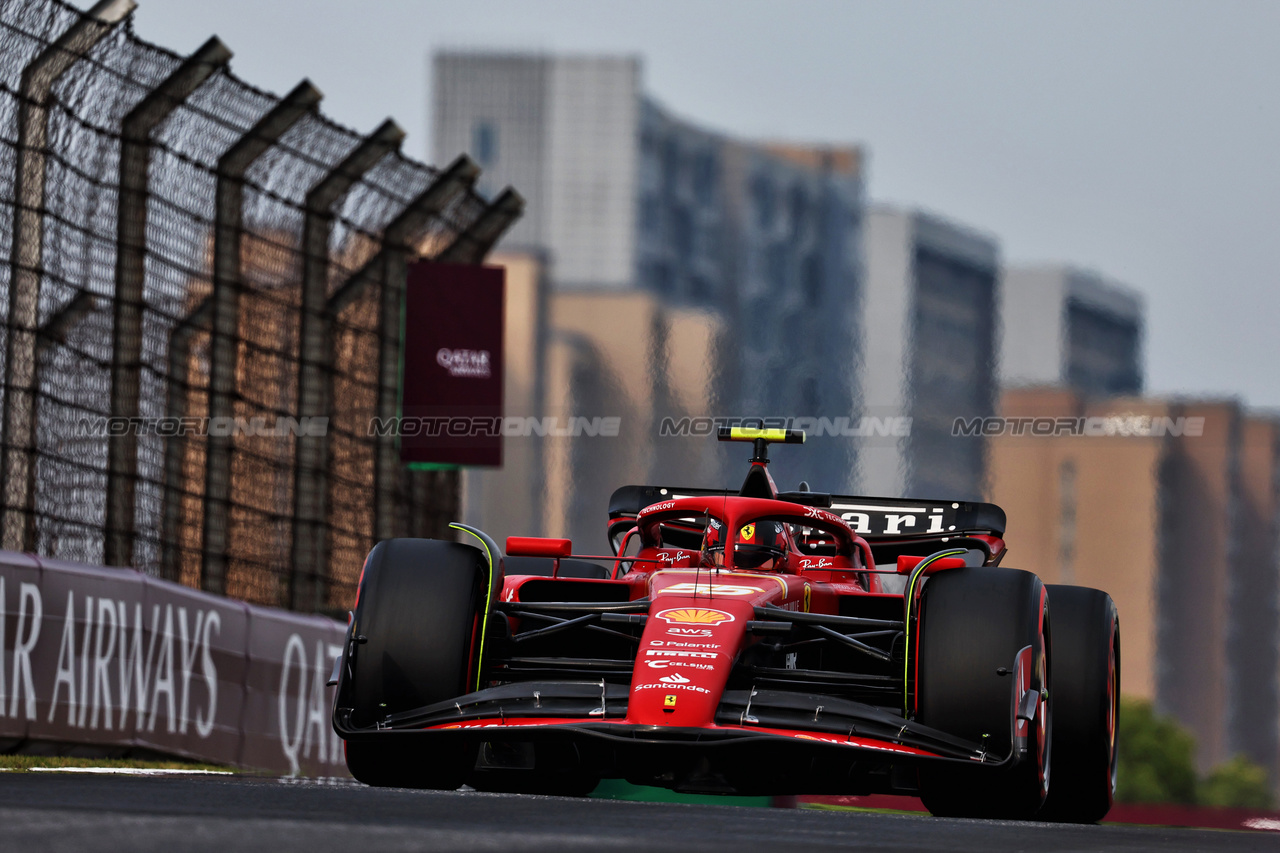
(891, 518)
(875, 519)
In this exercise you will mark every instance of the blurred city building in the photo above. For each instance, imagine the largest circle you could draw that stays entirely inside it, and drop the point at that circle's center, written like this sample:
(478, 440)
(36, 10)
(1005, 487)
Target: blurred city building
(928, 330)
(671, 252)
(1177, 519)
(625, 353)
(1065, 326)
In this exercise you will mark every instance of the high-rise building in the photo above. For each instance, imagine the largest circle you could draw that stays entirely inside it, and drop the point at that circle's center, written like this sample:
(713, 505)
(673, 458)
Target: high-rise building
(928, 332)
(565, 130)
(621, 354)
(1065, 326)
(1171, 507)
(624, 196)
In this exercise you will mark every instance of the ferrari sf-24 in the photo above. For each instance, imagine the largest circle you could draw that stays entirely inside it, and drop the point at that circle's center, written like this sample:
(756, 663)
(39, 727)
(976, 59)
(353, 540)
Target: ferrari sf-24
(749, 641)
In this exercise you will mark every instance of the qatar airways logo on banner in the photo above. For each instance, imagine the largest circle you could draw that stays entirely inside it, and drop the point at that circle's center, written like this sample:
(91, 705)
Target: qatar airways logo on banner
(127, 667)
(465, 363)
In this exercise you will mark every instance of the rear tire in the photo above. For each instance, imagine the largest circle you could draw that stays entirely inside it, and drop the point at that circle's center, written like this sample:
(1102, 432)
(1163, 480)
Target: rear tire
(973, 623)
(419, 601)
(1086, 675)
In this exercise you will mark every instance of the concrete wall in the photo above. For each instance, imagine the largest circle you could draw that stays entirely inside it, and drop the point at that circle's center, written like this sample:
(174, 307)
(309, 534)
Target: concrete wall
(591, 166)
(1036, 334)
(1033, 334)
(888, 240)
(1254, 632)
(624, 355)
(1181, 531)
(913, 333)
(509, 94)
(1085, 510)
(564, 130)
(507, 501)
(1199, 494)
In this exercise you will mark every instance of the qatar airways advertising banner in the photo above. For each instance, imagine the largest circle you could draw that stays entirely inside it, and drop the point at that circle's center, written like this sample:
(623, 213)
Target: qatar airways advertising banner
(451, 404)
(114, 659)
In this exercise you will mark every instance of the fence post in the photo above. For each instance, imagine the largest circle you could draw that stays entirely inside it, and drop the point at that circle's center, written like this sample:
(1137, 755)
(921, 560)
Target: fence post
(17, 439)
(452, 182)
(471, 246)
(179, 387)
(232, 166)
(131, 257)
(309, 556)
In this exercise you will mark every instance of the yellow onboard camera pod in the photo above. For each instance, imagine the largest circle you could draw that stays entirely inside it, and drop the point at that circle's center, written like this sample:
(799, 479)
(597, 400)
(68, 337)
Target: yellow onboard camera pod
(760, 439)
(777, 436)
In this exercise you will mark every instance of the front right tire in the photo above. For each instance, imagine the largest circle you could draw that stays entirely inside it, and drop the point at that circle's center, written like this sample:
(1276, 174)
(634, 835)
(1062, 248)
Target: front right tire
(1086, 673)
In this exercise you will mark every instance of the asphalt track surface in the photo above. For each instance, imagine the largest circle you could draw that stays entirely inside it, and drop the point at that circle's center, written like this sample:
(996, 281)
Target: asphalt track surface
(67, 812)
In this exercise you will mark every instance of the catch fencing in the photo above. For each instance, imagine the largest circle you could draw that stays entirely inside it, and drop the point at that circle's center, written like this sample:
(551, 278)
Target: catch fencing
(202, 287)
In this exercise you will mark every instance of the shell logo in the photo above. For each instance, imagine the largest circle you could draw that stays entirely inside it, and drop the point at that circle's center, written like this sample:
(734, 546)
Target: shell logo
(694, 616)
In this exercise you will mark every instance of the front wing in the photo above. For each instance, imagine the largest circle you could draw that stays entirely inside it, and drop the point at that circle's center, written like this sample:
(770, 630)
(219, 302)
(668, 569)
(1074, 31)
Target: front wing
(772, 741)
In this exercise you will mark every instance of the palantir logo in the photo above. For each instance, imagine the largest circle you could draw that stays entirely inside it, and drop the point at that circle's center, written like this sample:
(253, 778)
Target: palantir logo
(465, 363)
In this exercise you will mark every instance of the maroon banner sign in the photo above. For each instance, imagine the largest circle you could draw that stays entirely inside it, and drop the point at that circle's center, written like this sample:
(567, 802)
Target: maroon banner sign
(451, 405)
(114, 659)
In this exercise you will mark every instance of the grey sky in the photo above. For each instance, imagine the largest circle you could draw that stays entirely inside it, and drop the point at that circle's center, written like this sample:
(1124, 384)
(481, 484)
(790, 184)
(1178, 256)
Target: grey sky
(1138, 139)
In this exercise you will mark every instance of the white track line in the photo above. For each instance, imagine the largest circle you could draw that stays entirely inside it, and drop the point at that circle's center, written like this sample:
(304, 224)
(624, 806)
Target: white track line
(132, 771)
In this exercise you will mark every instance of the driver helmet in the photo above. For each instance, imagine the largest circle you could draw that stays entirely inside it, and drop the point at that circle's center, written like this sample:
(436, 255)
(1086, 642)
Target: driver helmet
(759, 545)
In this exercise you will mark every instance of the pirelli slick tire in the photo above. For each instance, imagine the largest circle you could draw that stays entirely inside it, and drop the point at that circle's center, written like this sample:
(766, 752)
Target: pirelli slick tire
(418, 609)
(974, 625)
(1086, 679)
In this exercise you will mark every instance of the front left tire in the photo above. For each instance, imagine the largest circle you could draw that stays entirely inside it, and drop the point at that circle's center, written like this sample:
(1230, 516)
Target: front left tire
(418, 609)
(974, 623)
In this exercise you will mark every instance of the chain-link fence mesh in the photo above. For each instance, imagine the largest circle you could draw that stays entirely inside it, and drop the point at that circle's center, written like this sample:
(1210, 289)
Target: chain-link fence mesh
(75, 230)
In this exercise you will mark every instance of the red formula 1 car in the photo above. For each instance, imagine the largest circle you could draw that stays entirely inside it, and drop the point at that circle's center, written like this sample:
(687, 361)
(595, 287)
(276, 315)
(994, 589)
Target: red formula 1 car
(750, 642)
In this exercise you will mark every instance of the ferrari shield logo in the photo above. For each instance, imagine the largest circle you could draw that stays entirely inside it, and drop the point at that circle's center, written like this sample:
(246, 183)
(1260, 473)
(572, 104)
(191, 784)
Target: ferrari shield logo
(668, 701)
(748, 533)
(806, 598)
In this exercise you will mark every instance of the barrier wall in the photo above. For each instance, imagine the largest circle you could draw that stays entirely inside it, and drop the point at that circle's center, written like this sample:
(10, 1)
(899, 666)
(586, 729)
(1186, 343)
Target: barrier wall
(114, 658)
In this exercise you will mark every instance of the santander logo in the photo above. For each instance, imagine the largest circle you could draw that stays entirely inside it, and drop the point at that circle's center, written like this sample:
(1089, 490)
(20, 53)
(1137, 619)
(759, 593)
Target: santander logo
(674, 678)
